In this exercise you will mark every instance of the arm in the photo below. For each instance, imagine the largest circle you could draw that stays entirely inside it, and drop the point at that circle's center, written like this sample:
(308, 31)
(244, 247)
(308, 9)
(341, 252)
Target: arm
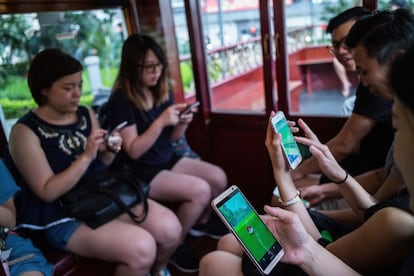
(355, 195)
(31, 162)
(300, 248)
(382, 240)
(392, 184)
(136, 144)
(284, 181)
(317, 193)
(8, 214)
(346, 142)
(371, 181)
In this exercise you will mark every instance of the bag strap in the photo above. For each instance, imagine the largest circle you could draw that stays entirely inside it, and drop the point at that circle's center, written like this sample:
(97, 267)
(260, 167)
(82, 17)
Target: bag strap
(137, 187)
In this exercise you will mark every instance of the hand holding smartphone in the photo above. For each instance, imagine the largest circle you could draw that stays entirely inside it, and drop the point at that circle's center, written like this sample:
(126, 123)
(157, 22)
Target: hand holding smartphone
(244, 222)
(289, 145)
(113, 139)
(189, 108)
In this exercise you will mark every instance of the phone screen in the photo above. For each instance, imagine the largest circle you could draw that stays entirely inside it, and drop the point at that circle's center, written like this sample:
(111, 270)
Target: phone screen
(250, 230)
(289, 144)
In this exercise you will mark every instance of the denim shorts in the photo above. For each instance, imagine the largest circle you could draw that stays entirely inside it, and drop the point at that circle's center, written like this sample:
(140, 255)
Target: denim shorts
(21, 247)
(59, 235)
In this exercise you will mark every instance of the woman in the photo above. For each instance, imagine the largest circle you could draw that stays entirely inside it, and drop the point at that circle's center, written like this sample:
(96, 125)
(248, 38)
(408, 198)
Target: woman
(141, 96)
(56, 144)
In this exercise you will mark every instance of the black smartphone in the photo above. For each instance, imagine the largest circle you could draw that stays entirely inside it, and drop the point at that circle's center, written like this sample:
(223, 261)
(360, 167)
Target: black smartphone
(189, 108)
(244, 222)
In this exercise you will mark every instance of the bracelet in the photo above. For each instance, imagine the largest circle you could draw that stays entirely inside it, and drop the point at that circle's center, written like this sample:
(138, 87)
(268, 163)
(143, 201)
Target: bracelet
(343, 180)
(291, 201)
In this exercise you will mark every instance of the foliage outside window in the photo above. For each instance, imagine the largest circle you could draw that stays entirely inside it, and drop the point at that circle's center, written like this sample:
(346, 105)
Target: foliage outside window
(80, 33)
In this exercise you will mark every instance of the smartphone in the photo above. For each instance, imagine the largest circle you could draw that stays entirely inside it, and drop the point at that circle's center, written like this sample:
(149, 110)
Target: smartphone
(110, 138)
(118, 127)
(289, 145)
(189, 107)
(244, 222)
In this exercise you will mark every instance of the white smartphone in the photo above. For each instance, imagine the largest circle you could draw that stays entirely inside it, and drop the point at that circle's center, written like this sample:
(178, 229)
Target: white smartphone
(289, 145)
(119, 127)
(189, 108)
(244, 222)
(110, 137)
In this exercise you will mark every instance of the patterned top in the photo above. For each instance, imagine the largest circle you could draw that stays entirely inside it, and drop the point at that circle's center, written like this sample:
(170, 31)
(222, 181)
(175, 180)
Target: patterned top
(62, 145)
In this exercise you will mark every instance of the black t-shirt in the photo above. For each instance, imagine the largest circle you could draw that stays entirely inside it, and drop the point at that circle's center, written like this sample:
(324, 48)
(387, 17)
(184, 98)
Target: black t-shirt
(119, 108)
(375, 145)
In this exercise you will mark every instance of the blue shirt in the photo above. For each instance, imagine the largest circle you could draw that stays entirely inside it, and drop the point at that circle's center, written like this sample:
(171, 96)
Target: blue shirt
(8, 186)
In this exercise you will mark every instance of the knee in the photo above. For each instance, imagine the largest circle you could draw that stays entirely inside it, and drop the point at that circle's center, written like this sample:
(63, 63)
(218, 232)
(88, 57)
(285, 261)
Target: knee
(140, 252)
(227, 243)
(201, 192)
(219, 179)
(170, 234)
(206, 262)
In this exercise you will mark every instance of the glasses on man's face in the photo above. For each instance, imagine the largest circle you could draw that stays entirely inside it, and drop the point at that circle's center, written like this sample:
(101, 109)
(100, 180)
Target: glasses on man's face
(334, 48)
(152, 68)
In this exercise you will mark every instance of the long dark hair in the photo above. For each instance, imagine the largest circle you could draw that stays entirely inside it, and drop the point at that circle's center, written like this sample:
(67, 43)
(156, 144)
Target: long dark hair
(134, 50)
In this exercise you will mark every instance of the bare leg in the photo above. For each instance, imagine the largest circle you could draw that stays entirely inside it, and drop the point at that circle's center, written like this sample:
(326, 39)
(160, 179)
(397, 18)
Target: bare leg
(130, 246)
(190, 193)
(341, 73)
(220, 263)
(137, 249)
(214, 175)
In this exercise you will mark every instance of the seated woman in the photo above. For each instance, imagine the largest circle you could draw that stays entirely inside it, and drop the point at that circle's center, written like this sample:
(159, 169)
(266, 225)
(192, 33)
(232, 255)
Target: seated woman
(141, 97)
(53, 146)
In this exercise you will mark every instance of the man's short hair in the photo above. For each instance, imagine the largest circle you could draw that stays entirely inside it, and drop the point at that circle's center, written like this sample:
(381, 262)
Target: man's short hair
(345, 16)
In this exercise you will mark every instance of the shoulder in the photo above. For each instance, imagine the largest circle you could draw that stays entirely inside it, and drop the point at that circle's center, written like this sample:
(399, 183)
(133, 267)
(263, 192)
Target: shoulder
(118, 98)
(371, 105)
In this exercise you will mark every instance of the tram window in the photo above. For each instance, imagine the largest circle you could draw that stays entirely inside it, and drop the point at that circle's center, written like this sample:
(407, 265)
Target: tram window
(233, 46)
(233, 53)
(94, 37)
(326, 88)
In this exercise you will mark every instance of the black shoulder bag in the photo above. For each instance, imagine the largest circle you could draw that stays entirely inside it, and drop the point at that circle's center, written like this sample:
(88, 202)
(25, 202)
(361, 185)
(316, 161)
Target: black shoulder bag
(103, 196)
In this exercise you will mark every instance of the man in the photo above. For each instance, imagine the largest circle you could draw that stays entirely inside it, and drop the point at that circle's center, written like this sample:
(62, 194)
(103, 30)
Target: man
(357, 145)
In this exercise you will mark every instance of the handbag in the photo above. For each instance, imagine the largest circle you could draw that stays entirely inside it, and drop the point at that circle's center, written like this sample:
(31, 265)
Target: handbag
(103, 196)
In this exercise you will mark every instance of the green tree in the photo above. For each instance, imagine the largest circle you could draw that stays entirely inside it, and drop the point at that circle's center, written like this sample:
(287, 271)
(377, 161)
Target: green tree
(13, 45)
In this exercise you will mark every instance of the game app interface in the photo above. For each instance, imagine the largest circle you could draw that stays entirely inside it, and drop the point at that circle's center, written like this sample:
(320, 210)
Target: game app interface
(249, 228)
(289, 143)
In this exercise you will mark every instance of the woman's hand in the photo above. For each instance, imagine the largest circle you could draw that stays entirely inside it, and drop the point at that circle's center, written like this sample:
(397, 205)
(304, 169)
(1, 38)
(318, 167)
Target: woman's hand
(290, 233)
(327, 162)
(171, 115)
(114, 142)
(314, 194)
(95, 140)
(186, 118)
(274, 148)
